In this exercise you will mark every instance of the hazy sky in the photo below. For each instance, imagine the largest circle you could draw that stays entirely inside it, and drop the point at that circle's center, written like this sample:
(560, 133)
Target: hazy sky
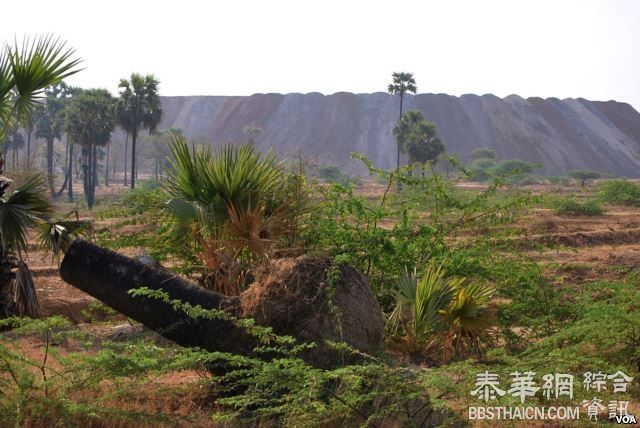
(561, 48)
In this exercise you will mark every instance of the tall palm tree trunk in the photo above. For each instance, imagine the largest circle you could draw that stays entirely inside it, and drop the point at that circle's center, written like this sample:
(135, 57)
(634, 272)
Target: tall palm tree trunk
(71, 171)
(110, 276)
(28, 161)
(126, 153)
(95, 182)
(399, 185)
(66, 151)
(106, 168)
(50, 165)
(85, 173)
(67, 171)
(134, 137)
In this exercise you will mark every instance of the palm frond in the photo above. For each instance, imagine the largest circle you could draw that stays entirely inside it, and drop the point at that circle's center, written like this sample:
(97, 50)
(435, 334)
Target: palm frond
(185, 215)
(405, 298)
(254, 230)
(434, 293)
(6, 87)
(21, 209)
(55, 236)
(37, 64)
(470, 312)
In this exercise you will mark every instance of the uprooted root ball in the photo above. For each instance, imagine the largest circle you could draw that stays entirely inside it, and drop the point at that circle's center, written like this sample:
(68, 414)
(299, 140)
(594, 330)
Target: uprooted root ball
(313, 300)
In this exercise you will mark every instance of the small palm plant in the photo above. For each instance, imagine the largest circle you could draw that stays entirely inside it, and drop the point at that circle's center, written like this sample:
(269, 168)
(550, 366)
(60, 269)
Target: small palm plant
(227, 202)
(440, 314)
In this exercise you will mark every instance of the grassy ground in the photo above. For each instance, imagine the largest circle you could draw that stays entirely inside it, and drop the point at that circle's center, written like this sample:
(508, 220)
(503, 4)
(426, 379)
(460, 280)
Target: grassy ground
(574, 321)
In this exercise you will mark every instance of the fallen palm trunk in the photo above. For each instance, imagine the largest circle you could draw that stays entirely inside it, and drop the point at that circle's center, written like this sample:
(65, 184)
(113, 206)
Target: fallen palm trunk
(308, 298)
(109, 277)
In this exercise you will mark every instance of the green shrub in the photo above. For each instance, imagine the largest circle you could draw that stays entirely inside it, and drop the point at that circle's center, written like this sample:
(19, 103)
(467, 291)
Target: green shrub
(478, 174)
(583, 175)
(516, 171)
(349, 226)
(151, 184)
(528, 179)
(334, 174)
(572, 206)
(143, 199)
(620, 192)
(558, 179)
(513, 166)
(484, 163)
(329, 172)
(483, 153)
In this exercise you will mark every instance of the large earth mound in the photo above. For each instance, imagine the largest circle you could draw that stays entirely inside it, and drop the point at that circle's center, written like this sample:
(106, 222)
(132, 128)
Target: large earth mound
(560, 134)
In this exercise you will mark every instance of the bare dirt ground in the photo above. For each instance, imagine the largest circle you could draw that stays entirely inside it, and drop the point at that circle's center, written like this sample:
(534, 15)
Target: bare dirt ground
(582, 249)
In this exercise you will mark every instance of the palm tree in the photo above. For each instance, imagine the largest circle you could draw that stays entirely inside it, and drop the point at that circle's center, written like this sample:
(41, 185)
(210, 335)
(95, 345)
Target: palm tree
(138, 108)
(14, 141)
(417, 137)
(402, 83)
(252, 132)
(50, 124)
(69, 155)
(18, 144)
(123, 119)
(405, 127)
(25, 71)
(89, 122)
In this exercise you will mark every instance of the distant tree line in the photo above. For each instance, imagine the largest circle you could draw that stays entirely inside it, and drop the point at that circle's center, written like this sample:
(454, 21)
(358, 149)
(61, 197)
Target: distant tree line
(85, 120)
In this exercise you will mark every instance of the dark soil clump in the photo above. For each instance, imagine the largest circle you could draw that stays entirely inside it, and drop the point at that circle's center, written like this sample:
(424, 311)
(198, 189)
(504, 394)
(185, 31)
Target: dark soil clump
(312, 300)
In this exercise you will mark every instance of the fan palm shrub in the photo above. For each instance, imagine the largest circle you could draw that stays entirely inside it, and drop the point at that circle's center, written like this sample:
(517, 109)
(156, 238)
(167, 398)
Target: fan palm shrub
(19, 210)
(25, 71)
(469, 318)
(439, 314)
(229, 202)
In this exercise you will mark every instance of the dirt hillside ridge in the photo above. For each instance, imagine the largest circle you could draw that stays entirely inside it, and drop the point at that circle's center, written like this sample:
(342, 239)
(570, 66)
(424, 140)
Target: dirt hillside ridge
(560, 134)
